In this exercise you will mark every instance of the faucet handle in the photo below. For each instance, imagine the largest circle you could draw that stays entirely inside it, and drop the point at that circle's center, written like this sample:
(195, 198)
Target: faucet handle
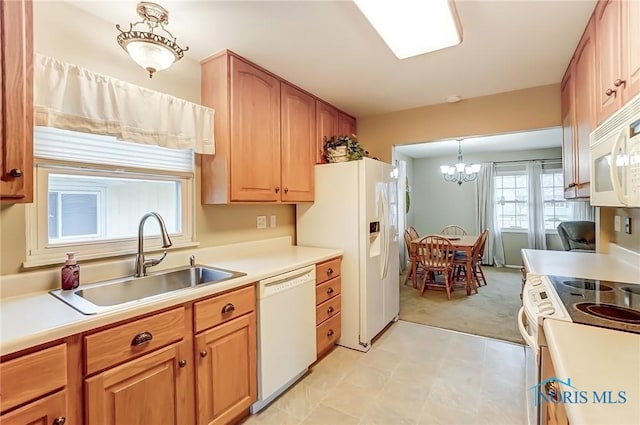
(192, 260)
(154, 261)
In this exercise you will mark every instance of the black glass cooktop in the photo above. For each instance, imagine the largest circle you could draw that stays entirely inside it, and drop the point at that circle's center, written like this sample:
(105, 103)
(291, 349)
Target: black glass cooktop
(603, 303)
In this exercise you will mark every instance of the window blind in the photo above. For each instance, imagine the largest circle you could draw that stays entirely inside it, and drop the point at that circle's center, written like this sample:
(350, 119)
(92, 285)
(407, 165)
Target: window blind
(72, 146)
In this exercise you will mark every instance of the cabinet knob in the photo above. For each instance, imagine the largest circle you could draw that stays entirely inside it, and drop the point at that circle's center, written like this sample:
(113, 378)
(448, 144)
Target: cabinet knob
(203, 353)
(572, 185)
(141, 338)
(329, 271)
(619, 82)
(228, 308)
(182, 363)
(16, 172)
(60, 420)
(330, 333)
(609, 92)
(277, 189)
(330, 310)
(329, 291)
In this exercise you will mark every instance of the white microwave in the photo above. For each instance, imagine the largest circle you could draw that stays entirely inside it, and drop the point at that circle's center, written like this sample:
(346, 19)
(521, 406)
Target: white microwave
(614, 155)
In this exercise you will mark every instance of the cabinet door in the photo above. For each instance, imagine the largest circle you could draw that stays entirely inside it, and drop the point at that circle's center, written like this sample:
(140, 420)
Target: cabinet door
(630, 49)
(16, 101)
(607, 21)
(226, 370)
(568, 120)
(298, 128)
(584, 101)
(255, 134)
(326, 127)
(346, 125)
(50, 410)
(148, 390)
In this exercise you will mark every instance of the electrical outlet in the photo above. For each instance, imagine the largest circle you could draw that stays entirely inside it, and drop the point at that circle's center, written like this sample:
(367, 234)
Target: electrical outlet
(616, 223)
(273, 221)
(261, 222)
(627, 225)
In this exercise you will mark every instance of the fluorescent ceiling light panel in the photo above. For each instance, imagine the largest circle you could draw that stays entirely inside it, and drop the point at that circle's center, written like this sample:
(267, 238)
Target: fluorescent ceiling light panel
(413, 27)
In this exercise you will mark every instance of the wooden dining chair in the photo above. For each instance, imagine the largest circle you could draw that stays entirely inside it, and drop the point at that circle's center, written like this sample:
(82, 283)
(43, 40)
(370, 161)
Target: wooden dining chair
(453, 229)
(436, 256)
(478, 261)
(414, 261)
(413, 232)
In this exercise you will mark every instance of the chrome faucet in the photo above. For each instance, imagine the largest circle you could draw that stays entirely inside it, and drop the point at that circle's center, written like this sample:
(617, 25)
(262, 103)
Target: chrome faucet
(141, 263)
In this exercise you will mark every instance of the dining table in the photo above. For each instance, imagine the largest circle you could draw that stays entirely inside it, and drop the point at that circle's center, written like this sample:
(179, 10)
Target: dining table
(462, 243)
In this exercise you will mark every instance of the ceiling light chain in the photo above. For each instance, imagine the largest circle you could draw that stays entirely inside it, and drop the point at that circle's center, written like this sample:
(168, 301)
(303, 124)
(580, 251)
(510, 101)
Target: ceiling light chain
(460, 172)
(150, 50)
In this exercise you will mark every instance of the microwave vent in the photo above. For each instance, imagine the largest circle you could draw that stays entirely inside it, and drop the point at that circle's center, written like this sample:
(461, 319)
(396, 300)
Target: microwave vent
(627, 113)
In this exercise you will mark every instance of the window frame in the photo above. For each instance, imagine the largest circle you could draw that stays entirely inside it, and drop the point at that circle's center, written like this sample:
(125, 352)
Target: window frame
(512, 173)
(40, 252)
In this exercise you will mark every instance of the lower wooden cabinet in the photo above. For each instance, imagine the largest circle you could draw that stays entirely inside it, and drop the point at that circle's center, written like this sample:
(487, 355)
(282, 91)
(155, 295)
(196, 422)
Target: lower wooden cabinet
(328, 305)
(226, 370)
(147, 390)
(50, 410)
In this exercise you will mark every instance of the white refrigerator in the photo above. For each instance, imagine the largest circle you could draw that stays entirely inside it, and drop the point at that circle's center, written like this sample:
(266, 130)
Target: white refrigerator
(355, 209)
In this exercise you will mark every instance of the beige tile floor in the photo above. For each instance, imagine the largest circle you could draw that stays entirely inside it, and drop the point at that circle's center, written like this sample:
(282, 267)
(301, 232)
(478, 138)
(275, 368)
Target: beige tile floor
(413, 374)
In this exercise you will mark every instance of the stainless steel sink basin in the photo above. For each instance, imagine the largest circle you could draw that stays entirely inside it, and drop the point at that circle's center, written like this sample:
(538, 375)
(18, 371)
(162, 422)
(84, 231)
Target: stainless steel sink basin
(107, 295)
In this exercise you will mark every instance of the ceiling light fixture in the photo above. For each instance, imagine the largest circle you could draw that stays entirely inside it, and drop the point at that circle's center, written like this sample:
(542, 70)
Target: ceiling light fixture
(460, 172)
(152, 51)
(411, 27)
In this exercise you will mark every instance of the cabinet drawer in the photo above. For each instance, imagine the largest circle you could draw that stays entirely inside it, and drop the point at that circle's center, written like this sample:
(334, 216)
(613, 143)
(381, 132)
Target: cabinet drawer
(327, 333)
(30, 376)
(327, 290)
(219, 309)
(123, 342)
(328, 309)
(327, 270)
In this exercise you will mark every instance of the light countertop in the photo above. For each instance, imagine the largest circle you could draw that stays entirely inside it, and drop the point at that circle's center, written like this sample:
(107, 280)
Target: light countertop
(37, 317)
(599, 360)
(581, 264)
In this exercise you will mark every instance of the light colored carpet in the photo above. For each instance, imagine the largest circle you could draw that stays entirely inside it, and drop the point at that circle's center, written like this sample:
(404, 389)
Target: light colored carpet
(492, 312)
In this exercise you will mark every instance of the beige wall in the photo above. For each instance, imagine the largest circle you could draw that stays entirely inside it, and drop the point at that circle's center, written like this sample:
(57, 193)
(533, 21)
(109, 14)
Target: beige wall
(67, 33)
(528, 109)
(607, 228)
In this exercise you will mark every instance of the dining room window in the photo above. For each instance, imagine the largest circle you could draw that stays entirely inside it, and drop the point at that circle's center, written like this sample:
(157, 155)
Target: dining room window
(513, 206)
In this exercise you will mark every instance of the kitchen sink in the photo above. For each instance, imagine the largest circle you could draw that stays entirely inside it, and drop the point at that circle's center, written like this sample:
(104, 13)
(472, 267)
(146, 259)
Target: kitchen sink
(108, 295)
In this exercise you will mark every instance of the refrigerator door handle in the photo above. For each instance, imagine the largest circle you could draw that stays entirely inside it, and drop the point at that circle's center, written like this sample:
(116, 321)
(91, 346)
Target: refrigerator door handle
(385, 231)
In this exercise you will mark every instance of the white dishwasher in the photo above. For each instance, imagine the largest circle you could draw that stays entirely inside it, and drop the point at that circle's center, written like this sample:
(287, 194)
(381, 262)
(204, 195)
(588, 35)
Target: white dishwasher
(286, 332)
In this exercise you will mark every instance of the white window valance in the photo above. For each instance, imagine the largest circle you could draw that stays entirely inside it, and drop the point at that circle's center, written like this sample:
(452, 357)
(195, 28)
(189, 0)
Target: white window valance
(69, 97)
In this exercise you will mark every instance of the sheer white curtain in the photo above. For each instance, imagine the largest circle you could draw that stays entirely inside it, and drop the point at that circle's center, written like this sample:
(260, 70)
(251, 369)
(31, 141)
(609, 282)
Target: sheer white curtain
(486, 215)
(536, 235)
(582, 211)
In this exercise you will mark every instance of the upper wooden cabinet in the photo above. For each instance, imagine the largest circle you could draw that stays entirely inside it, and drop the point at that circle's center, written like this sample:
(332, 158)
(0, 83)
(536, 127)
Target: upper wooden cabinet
(618, 54)
(584, 108)
(264, 132)
(16, 101)
(330, 122)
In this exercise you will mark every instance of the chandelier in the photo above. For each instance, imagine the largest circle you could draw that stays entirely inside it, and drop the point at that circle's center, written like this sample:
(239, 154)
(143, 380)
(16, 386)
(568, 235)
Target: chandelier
(149, 49)
(460, 172)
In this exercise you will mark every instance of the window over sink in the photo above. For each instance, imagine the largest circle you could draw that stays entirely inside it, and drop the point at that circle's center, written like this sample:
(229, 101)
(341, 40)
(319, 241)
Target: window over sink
(91, 192)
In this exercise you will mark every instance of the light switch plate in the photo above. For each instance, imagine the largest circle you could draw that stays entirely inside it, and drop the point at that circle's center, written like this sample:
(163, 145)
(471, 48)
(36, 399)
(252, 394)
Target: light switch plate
(261, 222)
(616, 223)
(273, 221)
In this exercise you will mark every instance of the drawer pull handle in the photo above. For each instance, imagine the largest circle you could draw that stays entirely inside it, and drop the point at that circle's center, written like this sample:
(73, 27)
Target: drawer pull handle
(182, 363)
(141, 338)
(330, 310)
(60, 420)
(203, 353)
(228, 308)
(16, 172)
(330, 333)
(329, 291)
(329, 271)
